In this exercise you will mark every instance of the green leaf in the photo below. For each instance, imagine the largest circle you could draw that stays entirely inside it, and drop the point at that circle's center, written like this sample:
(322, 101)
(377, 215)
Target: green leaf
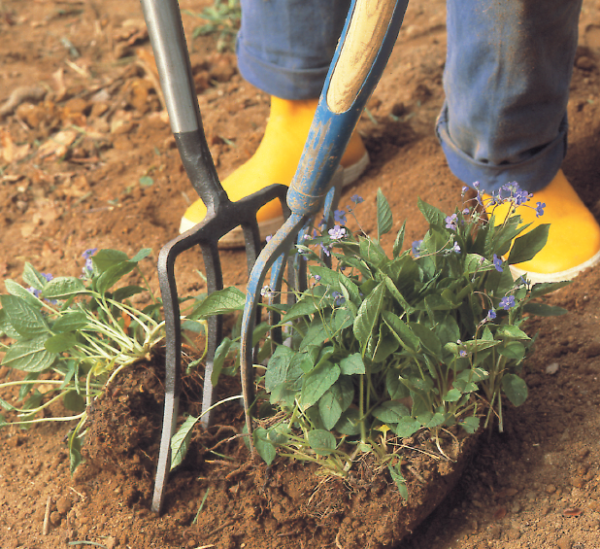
(146, 181)
(142, 254)
(73, 401)
(384, 215)
(6, 406)
(180, 441)
(399, 480)
(75, 444)
(307, 305)
(330, 409)
(433, 215)
(18, 291)
(349, 423)
(33, 277)
(265, 449)
(544, 288)
(317, 382)
(428, 339)
(470, 424)
(62, 287)
(352, 364)
(328, 277)
(104, 259)
(391, 412)
(407, 426)
(220, 302)
(508, 331)
(26, 320)
(399, 242)
(367, 315)
(219, 360)
(528, 245)
(29, 355)
(515, 389)
(6, 327)
(60, 343)
(277, 368)
(542, 309)
(401, 330)
(70, 322)
(112, 275)
(127, 291)
(513, 350)
(452, 395)
(395, 388)
(321, 441)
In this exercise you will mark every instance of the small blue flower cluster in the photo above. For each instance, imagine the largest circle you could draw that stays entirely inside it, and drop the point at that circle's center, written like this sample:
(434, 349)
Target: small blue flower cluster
(87, 255)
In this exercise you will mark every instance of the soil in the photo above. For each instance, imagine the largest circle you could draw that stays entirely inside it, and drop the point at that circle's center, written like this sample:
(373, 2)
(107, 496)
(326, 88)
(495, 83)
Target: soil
(87, 160)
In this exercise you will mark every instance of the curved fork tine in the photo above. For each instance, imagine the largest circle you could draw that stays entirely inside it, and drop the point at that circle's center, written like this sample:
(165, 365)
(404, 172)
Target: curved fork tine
(279, 245)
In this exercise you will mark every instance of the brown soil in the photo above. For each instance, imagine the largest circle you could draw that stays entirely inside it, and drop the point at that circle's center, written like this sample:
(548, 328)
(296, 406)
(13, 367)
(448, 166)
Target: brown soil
(536, 485)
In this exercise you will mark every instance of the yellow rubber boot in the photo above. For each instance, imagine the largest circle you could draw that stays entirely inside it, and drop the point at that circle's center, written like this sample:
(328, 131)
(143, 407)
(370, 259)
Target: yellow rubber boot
(275, 161)
(574, 237)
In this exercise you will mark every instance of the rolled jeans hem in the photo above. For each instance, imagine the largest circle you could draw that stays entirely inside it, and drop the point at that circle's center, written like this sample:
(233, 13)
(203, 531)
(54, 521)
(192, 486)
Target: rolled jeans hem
(532, 174)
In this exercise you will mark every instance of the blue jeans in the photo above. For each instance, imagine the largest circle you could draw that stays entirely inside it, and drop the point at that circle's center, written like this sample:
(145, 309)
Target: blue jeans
(507, 75)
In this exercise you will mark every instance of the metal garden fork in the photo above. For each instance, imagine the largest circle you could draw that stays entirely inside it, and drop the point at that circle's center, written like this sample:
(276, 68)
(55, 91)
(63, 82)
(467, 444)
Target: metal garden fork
(165, 29)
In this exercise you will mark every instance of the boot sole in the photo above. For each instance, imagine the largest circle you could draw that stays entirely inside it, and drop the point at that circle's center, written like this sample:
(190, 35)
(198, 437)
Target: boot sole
(235, 239)
(569, 274)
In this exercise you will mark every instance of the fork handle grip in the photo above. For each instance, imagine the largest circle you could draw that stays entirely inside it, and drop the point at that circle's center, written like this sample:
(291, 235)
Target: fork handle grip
(367, 40)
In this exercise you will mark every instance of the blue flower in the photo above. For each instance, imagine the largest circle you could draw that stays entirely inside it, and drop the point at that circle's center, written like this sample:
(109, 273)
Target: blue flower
(451, 222)
(317, 277)
(539, 209)
(325, 249)
(266, 291)
(416, 248)
(456, 248)
(338, 298)
(339, 216)
(507, 302)
(498, 263)
(491, 315)
(87, 255)
(511, 192)
(466, 211)
(463, 353)
(357, 199)
(337, 233)
(464, 190)
(269, 236)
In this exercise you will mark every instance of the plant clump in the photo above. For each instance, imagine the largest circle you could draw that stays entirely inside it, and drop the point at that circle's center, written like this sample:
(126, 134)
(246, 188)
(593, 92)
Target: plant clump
(380, 348)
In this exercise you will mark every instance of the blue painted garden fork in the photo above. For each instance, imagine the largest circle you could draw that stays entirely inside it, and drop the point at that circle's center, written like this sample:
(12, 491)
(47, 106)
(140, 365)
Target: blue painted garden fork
(369, 35)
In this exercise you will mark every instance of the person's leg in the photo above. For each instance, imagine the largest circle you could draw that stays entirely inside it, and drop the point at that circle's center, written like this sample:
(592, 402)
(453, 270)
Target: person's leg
(507, 77)
(284, 48)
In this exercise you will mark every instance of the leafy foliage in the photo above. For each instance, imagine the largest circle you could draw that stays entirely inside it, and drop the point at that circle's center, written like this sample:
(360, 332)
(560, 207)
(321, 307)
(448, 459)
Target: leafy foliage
(427, 339)
(73, 336)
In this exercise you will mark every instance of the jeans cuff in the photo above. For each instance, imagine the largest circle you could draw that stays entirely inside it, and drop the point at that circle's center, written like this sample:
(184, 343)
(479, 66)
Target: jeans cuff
(532, 174)
(279, 81)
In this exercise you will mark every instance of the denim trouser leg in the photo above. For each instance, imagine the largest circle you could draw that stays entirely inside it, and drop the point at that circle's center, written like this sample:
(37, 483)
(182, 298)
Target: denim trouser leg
(285, 46)
(507, 76)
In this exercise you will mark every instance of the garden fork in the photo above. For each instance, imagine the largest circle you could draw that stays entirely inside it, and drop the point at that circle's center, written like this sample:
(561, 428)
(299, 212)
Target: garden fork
(165, 29)
(371, 29)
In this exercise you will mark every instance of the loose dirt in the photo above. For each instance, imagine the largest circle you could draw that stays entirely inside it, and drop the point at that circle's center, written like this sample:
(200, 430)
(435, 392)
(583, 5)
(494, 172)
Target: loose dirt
(87, 160)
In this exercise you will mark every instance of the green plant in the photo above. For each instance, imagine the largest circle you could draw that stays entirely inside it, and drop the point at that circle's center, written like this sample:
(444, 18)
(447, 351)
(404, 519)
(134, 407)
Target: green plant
(72, 336)
(380, 348)
(223, 18)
